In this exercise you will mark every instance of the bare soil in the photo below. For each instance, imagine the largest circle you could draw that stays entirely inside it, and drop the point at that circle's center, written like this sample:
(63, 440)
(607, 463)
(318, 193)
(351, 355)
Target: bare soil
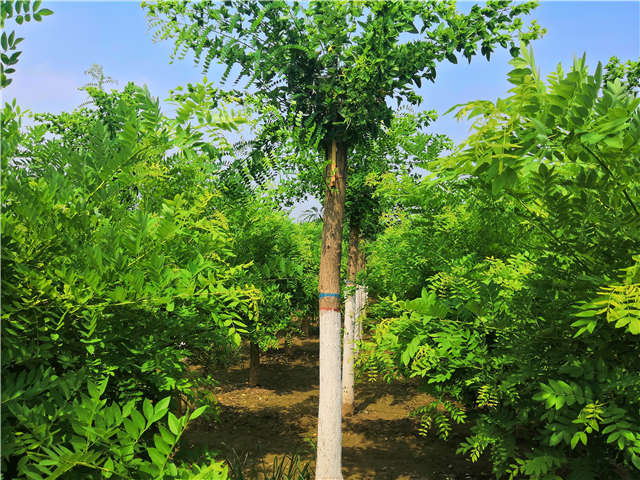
(278, 418)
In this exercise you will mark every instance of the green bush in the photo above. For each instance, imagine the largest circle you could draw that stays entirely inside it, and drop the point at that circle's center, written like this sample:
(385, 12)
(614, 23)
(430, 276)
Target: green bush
(116, 264)
(530, 335)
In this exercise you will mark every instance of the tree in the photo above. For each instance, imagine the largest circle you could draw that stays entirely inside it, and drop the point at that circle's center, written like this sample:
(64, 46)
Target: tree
(266, 241)
(398, 150)
(335, 65)
(98, 81)
(109, 231)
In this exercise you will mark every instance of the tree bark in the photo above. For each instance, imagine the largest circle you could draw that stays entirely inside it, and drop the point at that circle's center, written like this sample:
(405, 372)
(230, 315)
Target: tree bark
(348, 394)
(329, 448)
(254, 363)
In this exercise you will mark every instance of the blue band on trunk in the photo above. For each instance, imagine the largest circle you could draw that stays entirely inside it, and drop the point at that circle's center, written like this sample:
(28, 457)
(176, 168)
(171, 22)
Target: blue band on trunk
(321, 295)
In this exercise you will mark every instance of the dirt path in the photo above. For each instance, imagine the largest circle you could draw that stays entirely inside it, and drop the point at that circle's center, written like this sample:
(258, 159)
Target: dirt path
(278, 418)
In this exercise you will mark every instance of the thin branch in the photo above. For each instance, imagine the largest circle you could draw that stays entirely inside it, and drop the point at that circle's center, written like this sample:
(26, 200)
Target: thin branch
(624, 190)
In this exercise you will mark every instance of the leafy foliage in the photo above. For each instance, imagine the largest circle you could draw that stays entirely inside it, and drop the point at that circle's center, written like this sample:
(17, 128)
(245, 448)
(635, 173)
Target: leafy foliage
(19, 11)
(281, 261)
(109, 440)
(530, 327)
(116, 263)
(335, 62)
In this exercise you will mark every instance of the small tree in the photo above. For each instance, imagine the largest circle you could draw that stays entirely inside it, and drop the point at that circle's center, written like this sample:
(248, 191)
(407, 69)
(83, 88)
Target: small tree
(335, 64)
(266, 242)
(530, 314)
(115, 263)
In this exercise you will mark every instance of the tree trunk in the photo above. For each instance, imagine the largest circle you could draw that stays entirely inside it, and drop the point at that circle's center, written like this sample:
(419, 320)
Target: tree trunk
(329, 449)
(360, 305)
(348, 395)
(304, 325)
(254, 363)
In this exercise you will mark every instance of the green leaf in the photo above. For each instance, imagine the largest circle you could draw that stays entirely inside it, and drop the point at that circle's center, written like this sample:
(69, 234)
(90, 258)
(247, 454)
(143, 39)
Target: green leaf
(197, 412)
(555, 439)
(583, 438)
(45, 12)
(174, 425)
(138, 419)
(156, 457)
(130, 428)
(163, 446)
(96, 389)
(128, 407)
(614, 142)
(108, 465)
(12, 60)
(575, 439)
(166, 435)
(161, 408)
(147, 408)
(33, 475)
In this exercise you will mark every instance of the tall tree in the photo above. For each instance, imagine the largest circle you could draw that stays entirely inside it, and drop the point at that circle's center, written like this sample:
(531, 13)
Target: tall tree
(401, 147)
(335, 65)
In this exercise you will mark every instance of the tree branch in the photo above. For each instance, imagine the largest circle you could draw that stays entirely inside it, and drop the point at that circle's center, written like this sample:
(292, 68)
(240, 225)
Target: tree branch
(608, 170)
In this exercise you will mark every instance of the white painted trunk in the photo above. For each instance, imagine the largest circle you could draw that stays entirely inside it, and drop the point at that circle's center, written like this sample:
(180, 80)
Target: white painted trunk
(348, 395)
(360, 300)
(329, 459)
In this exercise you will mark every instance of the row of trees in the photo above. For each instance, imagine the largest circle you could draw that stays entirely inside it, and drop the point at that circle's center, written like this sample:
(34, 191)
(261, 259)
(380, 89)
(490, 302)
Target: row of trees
(134, 242)
(333, 66)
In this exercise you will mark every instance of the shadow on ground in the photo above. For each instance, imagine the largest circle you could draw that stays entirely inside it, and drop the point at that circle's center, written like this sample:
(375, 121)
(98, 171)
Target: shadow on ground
(278, 418)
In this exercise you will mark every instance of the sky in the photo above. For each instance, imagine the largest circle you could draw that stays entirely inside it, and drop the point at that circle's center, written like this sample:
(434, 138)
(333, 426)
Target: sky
(115, 34)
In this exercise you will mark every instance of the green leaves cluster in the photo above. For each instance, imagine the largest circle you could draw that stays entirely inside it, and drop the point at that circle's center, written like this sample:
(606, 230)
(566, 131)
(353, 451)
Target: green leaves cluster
(117, 262)
(110, 440)
(281, 261)
(19, 11)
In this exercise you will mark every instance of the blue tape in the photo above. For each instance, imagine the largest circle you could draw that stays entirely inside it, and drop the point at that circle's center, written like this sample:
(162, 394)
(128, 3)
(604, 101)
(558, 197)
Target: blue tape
(322, 295)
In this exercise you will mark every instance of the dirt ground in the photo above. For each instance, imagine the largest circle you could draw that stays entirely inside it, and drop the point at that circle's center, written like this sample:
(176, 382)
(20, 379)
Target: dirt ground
(278, 418)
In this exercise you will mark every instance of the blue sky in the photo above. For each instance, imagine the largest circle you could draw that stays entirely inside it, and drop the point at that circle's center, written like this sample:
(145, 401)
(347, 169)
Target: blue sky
(115, 34)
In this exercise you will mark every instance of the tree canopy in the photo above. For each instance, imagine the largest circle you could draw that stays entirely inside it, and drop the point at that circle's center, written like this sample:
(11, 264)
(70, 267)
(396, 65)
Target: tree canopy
(338, 63)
